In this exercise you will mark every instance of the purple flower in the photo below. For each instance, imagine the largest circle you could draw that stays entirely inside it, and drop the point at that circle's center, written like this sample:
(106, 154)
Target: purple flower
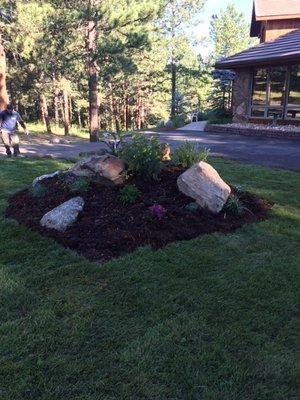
(157, 211)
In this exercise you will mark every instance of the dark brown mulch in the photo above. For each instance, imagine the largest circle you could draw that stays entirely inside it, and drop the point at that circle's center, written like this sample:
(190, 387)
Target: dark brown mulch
(107, 229)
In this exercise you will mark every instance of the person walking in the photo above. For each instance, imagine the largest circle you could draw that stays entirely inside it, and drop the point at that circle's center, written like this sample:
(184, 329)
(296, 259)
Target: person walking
(9, 119)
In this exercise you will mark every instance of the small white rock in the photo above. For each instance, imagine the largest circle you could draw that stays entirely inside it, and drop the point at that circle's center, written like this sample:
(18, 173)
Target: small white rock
(63, 216)
(39, 179)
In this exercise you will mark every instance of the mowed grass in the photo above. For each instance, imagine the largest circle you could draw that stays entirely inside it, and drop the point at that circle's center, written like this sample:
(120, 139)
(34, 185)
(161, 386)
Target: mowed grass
(212, 318)
(37, 128)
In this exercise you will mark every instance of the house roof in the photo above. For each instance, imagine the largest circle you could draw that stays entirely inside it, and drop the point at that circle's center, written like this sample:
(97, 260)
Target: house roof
(284, 49)
(266, 10)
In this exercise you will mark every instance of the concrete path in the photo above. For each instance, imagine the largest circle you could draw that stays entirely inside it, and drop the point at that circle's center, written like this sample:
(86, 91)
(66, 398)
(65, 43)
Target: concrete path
(194, 126)
(268, 152)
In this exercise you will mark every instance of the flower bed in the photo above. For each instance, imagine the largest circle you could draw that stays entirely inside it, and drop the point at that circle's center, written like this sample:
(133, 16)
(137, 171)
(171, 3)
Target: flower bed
(108, 228)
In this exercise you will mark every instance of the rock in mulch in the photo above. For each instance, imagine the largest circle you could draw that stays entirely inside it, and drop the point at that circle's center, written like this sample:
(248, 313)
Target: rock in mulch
(107, 166)
(203, 184)
(63, 216)
(39, 179)
(166, 152)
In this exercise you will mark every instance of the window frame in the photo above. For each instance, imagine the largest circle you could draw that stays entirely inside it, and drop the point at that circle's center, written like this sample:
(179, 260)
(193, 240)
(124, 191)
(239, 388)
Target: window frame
(285, 107)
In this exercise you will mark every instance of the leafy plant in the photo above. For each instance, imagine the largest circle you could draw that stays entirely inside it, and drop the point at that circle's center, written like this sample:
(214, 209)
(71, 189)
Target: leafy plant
(129, 194)
(179, 121)
(192, 208)
(234, 206)
(38, 191)
(79, 185)
(143, 156)
(188, 155)
(157, 211)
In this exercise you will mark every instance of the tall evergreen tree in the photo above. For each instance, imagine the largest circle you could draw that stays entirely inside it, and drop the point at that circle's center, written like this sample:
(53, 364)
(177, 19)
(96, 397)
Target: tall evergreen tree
(177, 14)
(229, 32)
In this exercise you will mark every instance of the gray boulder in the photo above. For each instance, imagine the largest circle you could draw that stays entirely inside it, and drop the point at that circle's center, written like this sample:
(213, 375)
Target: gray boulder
(203, 184)
(39, 179)
(107, 166)
(63, 216)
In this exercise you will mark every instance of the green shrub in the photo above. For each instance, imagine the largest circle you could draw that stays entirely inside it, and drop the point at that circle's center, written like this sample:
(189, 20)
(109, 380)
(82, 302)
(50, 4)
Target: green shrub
(219, 116)
(79, 185)
(169, 124)
(187, 155)
(160, 125)
(129, 194)
(202, 116)
(179, 121)
(38, 191)
(192, 208)
(143, 156)
(234, 206)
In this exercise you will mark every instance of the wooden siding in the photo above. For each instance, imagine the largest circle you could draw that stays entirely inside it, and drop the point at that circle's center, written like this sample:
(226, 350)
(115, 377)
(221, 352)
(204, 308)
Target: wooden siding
(275, 28)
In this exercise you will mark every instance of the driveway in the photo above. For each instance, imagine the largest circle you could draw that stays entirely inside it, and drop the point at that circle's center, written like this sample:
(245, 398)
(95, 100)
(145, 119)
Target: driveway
(268, 152)
(39, 147)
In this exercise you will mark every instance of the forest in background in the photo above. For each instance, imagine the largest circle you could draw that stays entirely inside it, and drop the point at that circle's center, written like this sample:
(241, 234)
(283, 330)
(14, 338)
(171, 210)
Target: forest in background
(113, 65)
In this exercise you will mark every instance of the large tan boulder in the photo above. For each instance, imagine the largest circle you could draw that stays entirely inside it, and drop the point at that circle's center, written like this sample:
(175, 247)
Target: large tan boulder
(203, 184)
(106, 166)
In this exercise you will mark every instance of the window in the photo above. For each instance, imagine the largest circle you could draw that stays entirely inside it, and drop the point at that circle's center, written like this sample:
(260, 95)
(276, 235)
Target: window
(277, 86)
(259, 95)
(276, 92)
(293, 104)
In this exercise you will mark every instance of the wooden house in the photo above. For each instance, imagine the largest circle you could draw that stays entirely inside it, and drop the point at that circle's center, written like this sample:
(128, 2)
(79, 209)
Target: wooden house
(267, 76)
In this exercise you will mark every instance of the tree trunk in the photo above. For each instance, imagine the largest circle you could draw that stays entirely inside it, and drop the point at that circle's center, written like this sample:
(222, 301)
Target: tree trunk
(3, 91)
(70, 110)
(79, 118)
(173, 90)
(139, 114)
(56, 106)
(91, 38)
(44, 113)
(66, 112)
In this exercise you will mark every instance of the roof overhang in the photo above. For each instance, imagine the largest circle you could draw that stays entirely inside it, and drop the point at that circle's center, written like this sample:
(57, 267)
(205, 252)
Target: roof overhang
(283, 50)
(264, 63)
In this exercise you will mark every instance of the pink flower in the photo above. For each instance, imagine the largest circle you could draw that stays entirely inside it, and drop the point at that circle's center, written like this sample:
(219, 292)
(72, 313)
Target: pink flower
(157, 211)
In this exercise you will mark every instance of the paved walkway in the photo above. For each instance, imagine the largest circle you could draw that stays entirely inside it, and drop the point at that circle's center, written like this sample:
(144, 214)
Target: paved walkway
(194, 126)
(274, 153)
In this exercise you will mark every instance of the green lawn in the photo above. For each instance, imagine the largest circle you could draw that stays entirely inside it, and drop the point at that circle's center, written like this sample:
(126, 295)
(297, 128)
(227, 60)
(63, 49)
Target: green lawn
(213, 318)
(37, 128)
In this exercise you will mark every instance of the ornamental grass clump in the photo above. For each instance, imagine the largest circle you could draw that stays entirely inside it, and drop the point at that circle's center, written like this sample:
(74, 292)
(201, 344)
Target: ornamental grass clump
(143, 157)
(129, 194)
(188, 154)
(234, 206)
(79, 185)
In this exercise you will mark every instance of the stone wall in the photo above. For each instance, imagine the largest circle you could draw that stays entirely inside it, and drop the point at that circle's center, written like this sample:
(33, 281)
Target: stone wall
(241, 95)
(263, 132)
